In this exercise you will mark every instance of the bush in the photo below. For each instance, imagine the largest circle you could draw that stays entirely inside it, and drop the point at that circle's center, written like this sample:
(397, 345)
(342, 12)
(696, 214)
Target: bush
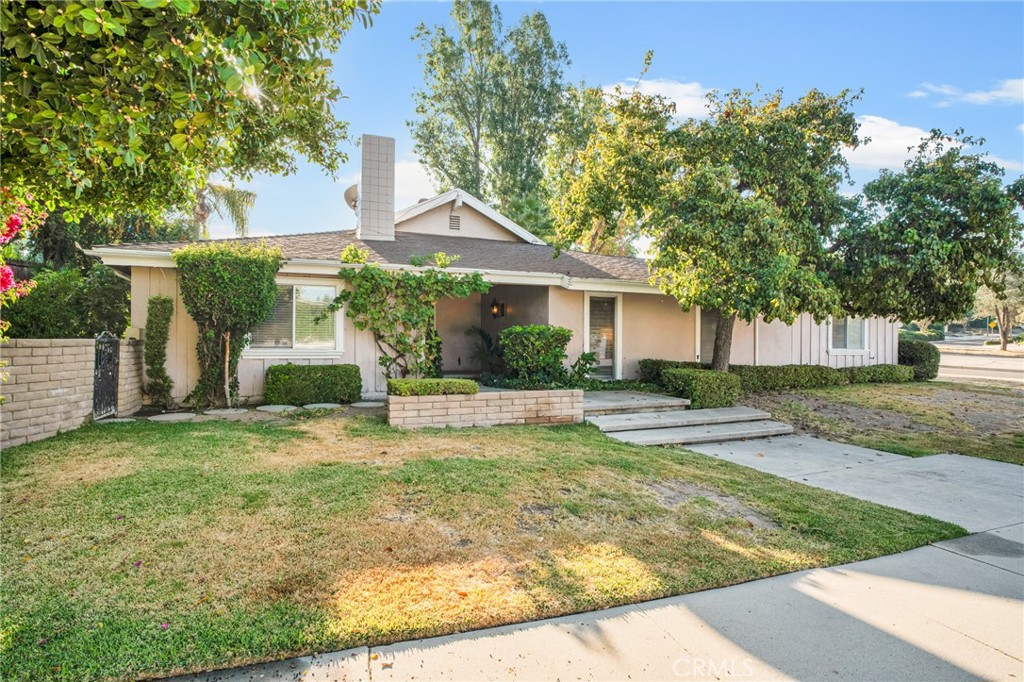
(651, 369)
(154, 349)
(930, 335)
(879, 374)
(922, 356)
(779, 377)
(411, 387)
(304, 384)
(536, 353)
(704, 387)
(69, 305)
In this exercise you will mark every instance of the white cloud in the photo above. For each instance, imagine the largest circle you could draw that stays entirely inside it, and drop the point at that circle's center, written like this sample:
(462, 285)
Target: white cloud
(1010, 91)
(889, 143)
(1021, 127)
(689, 97)
(1008, 164)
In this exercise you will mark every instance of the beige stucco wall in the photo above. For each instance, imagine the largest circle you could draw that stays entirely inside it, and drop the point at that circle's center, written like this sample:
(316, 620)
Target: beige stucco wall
(566, 310)
(653, 326)
(523, 305)
(358, 347)
(453, 317)
(472, 224)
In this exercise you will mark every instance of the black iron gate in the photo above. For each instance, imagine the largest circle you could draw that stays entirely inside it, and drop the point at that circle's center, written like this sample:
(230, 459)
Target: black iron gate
(104, 383)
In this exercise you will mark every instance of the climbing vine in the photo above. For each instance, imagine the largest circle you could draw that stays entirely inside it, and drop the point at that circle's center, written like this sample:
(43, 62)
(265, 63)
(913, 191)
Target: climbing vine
(228, 289)
(397, 307)
(159, 310)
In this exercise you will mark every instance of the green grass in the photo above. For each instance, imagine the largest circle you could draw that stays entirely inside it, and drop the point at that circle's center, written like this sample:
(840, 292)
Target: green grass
(934, 417)
(142, 549)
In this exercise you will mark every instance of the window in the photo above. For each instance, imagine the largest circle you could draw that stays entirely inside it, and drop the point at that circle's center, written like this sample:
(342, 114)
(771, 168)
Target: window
(849, 333)
(293, 323)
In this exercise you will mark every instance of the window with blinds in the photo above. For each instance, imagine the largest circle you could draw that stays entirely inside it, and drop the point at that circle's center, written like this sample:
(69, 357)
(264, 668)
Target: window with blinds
(293, 324)
(602, 336)
(849, 333)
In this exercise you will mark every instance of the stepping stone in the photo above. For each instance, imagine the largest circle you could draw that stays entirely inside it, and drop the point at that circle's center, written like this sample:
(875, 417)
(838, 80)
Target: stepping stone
(366, 404)
(321, 406)
(116, 420)
(277, 409)
(226, 411)
(172, 417)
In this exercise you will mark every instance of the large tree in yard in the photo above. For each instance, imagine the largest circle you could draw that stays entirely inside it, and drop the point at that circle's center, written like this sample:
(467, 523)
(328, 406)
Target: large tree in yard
(920, 242)
(738, 207)
(1007, 304)
(128, 106)
(488, 102)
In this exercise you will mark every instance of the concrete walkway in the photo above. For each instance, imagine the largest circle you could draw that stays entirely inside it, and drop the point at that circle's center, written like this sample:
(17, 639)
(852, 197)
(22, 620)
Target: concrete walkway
(951, 611)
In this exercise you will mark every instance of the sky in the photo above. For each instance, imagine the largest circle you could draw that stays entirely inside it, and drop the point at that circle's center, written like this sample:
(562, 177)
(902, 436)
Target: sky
(944, 65)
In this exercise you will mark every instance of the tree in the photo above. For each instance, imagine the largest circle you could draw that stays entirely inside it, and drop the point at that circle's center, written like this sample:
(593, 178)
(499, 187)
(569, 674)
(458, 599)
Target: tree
(738, 206)
(488, 101)
(128, 106)
(920, 242)
(1007, 306)
(221, 198)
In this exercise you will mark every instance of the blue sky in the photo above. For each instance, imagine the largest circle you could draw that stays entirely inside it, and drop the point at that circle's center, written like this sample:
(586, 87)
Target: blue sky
(921, 65)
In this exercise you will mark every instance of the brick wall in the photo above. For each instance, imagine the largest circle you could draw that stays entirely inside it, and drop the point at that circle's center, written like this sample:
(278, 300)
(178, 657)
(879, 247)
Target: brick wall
(129, 377)
(49, 386)
(489, 408)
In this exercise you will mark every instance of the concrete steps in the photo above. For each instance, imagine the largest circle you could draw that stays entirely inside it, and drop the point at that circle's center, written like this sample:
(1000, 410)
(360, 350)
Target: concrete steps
(639, 421)
(598, 403)
(704, 433)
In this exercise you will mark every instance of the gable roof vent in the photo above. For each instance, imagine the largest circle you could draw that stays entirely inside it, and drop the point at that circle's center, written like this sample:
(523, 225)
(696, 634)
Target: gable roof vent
(454, 222)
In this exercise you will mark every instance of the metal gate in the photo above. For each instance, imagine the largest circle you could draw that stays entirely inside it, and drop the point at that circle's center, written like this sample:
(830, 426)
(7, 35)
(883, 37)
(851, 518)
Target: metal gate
(104, 383)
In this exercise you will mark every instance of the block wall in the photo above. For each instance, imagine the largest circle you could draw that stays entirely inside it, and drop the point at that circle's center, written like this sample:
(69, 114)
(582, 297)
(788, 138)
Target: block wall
(490, 408)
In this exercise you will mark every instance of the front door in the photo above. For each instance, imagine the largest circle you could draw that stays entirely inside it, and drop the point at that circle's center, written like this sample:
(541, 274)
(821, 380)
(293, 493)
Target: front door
(602, 335)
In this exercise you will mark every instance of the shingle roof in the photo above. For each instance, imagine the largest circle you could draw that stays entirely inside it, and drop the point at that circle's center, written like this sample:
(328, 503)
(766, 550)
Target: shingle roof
(477, 254)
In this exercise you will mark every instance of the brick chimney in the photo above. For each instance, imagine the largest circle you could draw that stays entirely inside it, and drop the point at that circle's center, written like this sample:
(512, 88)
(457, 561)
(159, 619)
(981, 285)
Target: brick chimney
(376, 212)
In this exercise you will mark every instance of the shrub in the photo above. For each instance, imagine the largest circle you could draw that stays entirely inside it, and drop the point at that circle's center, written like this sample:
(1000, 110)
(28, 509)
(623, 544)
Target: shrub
(536, 352)
(922, 356)
(411, 387)
(651, 369)
(930, 335)
(304, 384)
(66, 304)
(154, 349)
(777, 377)
(228, 288)
(879, 374)
(704, 387)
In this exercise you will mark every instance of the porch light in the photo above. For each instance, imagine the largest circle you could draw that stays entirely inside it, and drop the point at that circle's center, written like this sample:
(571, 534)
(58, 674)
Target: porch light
(497, 309)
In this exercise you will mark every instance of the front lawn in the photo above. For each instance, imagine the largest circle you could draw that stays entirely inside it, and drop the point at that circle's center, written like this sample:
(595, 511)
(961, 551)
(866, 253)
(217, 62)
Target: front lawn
(915, 419)
(150, 549)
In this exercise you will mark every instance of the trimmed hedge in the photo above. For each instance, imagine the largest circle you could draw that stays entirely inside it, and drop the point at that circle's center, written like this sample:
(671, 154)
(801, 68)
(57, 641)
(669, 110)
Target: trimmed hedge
(879, 374)
(922, 356)
(303, 384)
(651, 369)
(778, 377)
(536, 352)
(704, 387)
(411, 387)
(929, 335)
(159, 310)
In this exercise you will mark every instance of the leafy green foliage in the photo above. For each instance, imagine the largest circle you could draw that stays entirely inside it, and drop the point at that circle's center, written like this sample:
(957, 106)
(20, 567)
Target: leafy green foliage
(923, 356)
(536, 352)
(1006, 301)
(488, 101)
(921, 241)
(159, 310)
(879, 374)
(291, 384)
(398, 306)
(411, 387)
(705, 388)
(484, 349)
(66, 304)
(930, 335)
(228, 289)
(738, 206)
(780, 377)
(128, 106)
(652, 370)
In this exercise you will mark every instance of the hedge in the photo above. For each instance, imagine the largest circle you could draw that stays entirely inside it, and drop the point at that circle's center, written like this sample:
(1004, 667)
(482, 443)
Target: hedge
(922, 356)
(536, 352)
(413, 387)
(159, 310)
(778, 377)
(879, 374)
(704, 387)
(651, 369)
(303, 384)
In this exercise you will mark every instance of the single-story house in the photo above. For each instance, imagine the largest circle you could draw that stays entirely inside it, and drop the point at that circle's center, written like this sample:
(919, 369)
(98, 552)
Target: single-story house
(607, 301)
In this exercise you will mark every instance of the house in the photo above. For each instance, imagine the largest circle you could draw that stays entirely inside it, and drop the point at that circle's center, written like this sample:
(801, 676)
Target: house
(606, 301)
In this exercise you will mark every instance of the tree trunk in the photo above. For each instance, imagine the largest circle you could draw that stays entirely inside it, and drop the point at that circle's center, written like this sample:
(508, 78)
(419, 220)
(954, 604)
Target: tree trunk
(723, 342)
(1003, 320)
(227, 368)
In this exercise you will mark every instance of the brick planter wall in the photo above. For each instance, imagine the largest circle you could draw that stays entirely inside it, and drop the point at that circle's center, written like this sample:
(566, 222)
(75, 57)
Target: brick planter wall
(490, 408)
(50, 382)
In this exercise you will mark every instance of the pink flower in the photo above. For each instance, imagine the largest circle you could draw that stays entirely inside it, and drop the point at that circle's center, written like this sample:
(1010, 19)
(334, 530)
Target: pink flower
(6, 278)
(11, 228)
(164, 626)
